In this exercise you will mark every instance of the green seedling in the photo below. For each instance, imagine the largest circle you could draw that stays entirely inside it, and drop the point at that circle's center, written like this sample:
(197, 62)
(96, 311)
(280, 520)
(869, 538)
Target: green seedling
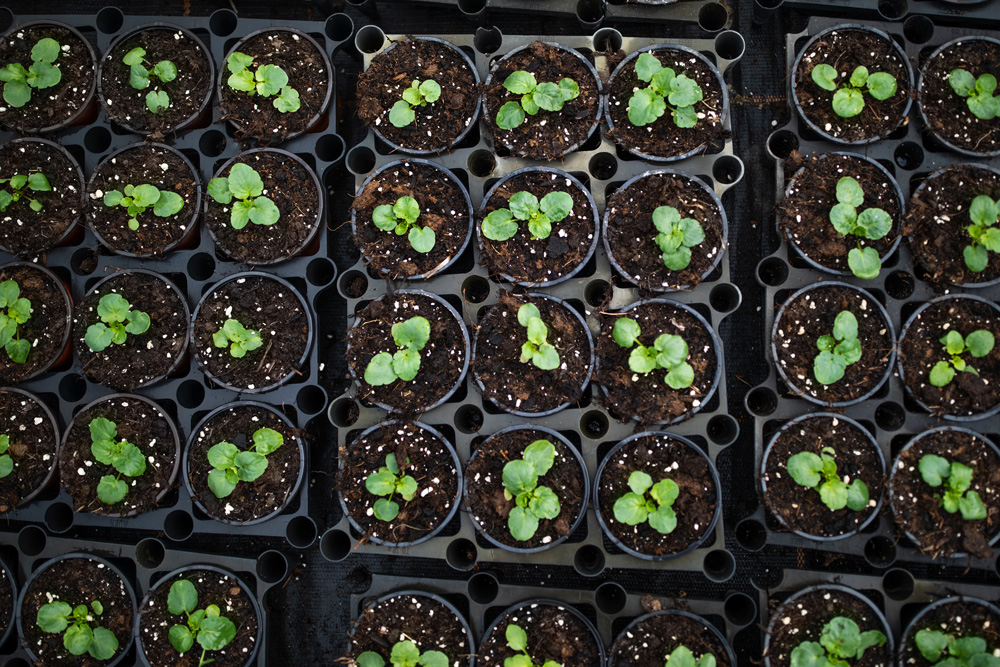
(18, 311)
(978, 93)
(207, 626)
(19, 185)
(41, 74)
(411, 336)
(520, 484)
(74, 623)
(230, 466)
(140, 77)
(536, 350)
(669, 352)
(387, 482)
(979, 343)
(871, 223)
(243, 340)
(266, 81)
(961, 651)
(535, 96)
(404, 654)
(983, 213)
(6, 462)
(838, 351)
(682, 656)
(120, 454)
(635, 508)
(676, 236)
(848, 98)
(819, 471)
(517, 640)
(419, 94)
(840, 641)
(117, 320)
(138, 198)
(956, 478)
(666, 89)
(501, 224)
(246, 186)
(401, 218)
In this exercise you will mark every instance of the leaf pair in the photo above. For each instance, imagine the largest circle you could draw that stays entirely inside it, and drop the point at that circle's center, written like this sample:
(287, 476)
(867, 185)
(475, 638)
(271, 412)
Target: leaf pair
(6, 462)
(230, 465)
(501, 224)
(838, 351)
(243, 340)
(18, 311)
(841, 640)
(983, 212)
(819, 471)
(140, 77)
(404, 654)
(669, 352)
(676, 236)
(682, 656)
(956, 478)
(117, 320)
(266, 81)
(536, 349)
(74, 622)
(635, 508)
(41, 74)
(420, 93)
(517, 640)
(124, 457)
(411, 336)
(871, 223)
(848, 99)
(207, 626)
(978, 93)
(666, 89)
(246, 186)
(531, 502)
(20, 183)
(388, 481)
(138, 198)
(401, 218)
(961, 651)
(979, 343)
(535, 96)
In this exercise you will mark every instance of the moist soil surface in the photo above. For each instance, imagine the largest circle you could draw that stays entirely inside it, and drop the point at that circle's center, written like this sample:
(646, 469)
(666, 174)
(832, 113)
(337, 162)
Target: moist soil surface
(516, 385)
(442, 361)
(631, 235)
(291, 185)
(920, 348)
(554, 633)
(647, 397)
(548, 135)
(143, 164)
(49, 106)
(215, 588)
(47, 328)
(961, 618)
(126, 105)
(805, 213)
(484, 489)
(250, 500)
(812, 315)
(919, 513)
(436, 126)
(845, 50)
(443, 207)
(6, 601)
(426, 622)
(144, 358)
(77, 581)
(33, 445)
(800, 508)
(937, 219)
(525, 259)
(272, 309)
(429, 462)
(25, 232)
(650, 642)
(662, 458)
(256, 117)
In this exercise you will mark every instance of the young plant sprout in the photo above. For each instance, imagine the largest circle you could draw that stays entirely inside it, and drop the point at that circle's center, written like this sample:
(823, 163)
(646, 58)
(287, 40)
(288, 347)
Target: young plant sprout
(961, 651)
(546, 96)
(501, 224)
(984, 213)
(849, 99)
(666, 89)
(956, 478)
(536, 350)
(669, 353)
(978, 92)
(388, 481)
(634, 508)
(6, 462)
(75, 625)
(676, 236)
(41, 74)
(20, 184)
(819, 471)
(871, 223)
(117, 320)
(411, 336)
(838, 351)
(404, 654)
(230, 466)
(246, 185)
(243, 340)
(18, 311)
(682, 656)
(979, 343)
(140, 77)
(120, 454)
(841, 640)
(419, 94)
(517, 640)
(266, 81)
(140, 197)
(520, 484)
(207, 626)
(401, 218)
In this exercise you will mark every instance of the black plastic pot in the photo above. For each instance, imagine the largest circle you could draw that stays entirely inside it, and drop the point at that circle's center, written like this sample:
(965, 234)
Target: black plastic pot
(561, 606)
(912, 627)
(56, 435)
(9, 576)
(65, 352)
(710, 628)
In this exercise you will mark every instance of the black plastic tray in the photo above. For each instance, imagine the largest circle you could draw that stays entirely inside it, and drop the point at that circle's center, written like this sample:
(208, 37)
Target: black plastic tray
(914, 13)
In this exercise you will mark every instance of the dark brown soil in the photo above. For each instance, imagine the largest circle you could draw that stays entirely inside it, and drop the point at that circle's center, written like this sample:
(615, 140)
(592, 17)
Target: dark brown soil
(553, 634)
(263, 305)
(920, 348)
(213, 588)
(6, 601)
(442, 361)
(437, 125)
(423, 620)
(33, 445)
(647, 397)
(960, 618)
(845, 50)
(805, 213)
(47, 328)
(255, 117)
(918, 512)
(631, 235)
(291, 186)
(141, 164)
(548, 135)
(250, 500)
(524, 259)
(443, 207)
(23, 231)
(947, 114)
(650, 642)
(810, 316)
(126, 106)
(484, 489)
(49, 106)
(515, 385)
(937, 219)
(429, 461)
(144, 358)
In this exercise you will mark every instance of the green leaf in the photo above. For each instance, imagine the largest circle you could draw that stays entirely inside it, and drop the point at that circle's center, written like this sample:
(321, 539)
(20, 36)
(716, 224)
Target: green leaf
(941, 374)
(510, 115)
(215, 632)
(529, 105)
(138, 322)
(78, 638)
(666, 218)
(848, 103)
(639, 482)
(520, 83)
(16, 93)
(45, 50)
(544, 503)
(412, 95)
(569, 89)
(222, 482)
(182, 597)
(625, 332)
(805, 468)
(522, 524)
(665, 492)
(6, 465)
(849, 192)
(971, 506)
(38, 182)
(52, 617)
(841, 637)
(547, 358)
(407, 487)
(681, 376)
(131, 462)
(959, 477)
(986, 83)
(135, 56)
(983, 211)
(519, 477)
(644, 107)
(663, 520)
(414, 332)
(430, 90)
(990, 239)
(404, 654)
(523, 205)
(19, 310)
(384, 218)
(165, 71)
(98, 337)
(859, 76)
(245, 182)
(630, 509)
(881, 85)
(845, 326)
(238, 62)
(548, 96)
(18, 350)
(4, 443)
(642, 359)
(422, 239)
(876, 223)
(5, 200)
(864, 263)
(979, 343)
(157, 100)
(406, 364)
(809, 654)
(962, 82)
(556, 205)
(833, 493)
(270, 80)
(249, 465)
(406, 208)
(370, 659)
(684, 92)
(984, 107)
(517, 638)
(111, 490)
(526, 313)
(222, 455)
(288, 101)
(499, 225)
(167, 204)
(975, 257)
(181, 638)
(646, 65)
(242, 81)
(692, 232)
(953, 342)
(385, 510)
(381, 483)
(379, 371)
(857, 495)
(267, 440)
(113, 308)
(263, 212)
(934, 469)
(138, 77)
(825, 77)
(433, 659)
(685, 117)
(218, 189)
(843, 217)
(540, 454)
(829, 367)
(672, 350)
(931, 643)
(537, 331)
(14, 72)
(401, 114)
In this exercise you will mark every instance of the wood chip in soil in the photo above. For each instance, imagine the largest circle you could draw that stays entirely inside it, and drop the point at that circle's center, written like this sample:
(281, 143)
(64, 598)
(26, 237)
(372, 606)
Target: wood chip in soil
(650, 642)
(423, 620)
(32, 446)
(961, 618)
(553, 634)
(47, 328)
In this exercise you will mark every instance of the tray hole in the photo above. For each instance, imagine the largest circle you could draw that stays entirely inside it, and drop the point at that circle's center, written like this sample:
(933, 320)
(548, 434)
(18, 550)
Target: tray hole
(890, 416)
(728, 169)
(320, 271)
(354, 284)
(769, 4)
(311, 400)
(782, 143)
(892, 9)
(900, 285)
(301, 532)
(897, 584)
(597, 292)
(908, 155)
(719, 565)
(607, 39)
(481, 163)
(761, 401)
(178, 526)
(335, 545)
(772, 271)
(471, 7)
(725, 298)
(31, 540)
(58, 518)
(369, 39)
(212, 143)
(98, 139)
(880, 551)
(330, 148)
(360, 160)
(462, 554)
(483, 588)
(110, 19)
(918, 29)
(751, 534)
(589, 560)
(730, 45)
(149, 553)
(603, 166)
(610, 597)
(713, 17)
(476, 289)
(223, 22)
(72, 387)
(594, 424)
(723, 430)
(6, 19)
(339, 27)
(590, 11)
(469, 419)
(344, 412)
(488, 40)
(190, 394)
(272, 566)
(201, 266)
(740, 609)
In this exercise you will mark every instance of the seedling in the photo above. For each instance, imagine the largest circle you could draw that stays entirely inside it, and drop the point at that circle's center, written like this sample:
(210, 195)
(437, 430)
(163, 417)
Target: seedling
(266, 81)
(41, 74)
(6, 462)
(634, 508)
(676, 236)
(546, 96)
(669, 353)
(419, 94)
(117, 320)
(404, 654)
(961, 651)
(120, 454)
(501, 224)
(838, 351)
(682, 656)
(536, 350)
(520, 484)
(848, 98)
(74, 623)
(207, 626)
(841, 640)
(978, 92)
(243, 340)
(401, 218)
(411, 336)
(20, 184)
(819, 471)
(517, 640)
(246, 185)
(388, 481)
(871, 223)
(140, 77)
(979, 343)
(666, 89)
(956, 478)
(983, 213)
(138, 198)
(230, 466)
(18, 312)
